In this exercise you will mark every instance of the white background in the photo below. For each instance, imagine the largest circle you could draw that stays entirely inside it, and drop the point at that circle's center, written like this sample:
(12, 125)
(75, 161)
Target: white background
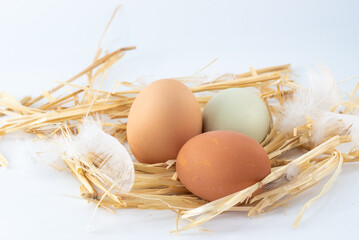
(46, 41)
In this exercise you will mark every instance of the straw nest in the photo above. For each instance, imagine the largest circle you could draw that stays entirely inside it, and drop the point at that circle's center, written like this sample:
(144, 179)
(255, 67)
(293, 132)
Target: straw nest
(156, 186)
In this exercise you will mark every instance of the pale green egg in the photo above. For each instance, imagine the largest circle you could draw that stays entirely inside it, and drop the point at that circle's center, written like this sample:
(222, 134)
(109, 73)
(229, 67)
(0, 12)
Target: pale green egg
(237, 109)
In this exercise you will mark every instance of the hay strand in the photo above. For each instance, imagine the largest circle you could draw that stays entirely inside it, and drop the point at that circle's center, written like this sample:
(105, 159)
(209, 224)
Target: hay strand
(156, 186)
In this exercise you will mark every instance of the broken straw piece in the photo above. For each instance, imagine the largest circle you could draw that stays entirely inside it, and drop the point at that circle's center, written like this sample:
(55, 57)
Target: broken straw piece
(3, 161)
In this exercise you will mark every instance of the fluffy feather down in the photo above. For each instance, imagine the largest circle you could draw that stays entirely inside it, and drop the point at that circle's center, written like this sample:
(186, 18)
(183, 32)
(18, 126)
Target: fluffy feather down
(322, 94)
(329, 123)
(104, 154)
(290, 174)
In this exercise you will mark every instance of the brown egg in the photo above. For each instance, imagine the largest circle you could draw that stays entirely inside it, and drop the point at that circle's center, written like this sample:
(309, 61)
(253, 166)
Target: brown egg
(163, 117)
(218, 163)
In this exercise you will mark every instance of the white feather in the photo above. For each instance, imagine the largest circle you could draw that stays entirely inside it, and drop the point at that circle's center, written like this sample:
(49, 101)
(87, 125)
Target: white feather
(322, 94)
(116, 168)
(329, 123)
(290, 174)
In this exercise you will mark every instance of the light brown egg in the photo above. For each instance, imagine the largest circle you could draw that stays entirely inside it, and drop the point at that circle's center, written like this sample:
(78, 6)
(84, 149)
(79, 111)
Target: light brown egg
(218, 163)
(163, 117)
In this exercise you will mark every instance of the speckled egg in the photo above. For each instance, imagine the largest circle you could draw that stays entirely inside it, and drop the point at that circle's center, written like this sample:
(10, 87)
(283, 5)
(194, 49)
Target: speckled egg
(218, 163)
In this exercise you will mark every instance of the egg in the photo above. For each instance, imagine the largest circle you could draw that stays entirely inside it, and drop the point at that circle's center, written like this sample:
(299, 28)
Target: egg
(163, 117)
(218, 163)
(237, 109)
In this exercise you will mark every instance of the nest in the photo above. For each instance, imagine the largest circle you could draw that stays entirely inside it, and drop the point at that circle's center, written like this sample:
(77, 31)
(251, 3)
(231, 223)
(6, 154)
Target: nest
(156, 186)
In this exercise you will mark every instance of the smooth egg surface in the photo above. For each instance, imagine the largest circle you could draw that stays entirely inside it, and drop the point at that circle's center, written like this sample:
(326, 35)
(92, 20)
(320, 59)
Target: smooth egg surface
(218, 163)
(237, 109)
(163, 117)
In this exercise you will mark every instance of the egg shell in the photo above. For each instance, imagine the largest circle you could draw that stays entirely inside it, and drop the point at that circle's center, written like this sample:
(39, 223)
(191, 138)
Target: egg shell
(163, 117)
(218, 163)
(237, 109)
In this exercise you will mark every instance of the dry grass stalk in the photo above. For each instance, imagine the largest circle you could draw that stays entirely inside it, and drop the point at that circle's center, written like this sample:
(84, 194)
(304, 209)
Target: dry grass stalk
(212, 209)
(156, 185)
(3, 161)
